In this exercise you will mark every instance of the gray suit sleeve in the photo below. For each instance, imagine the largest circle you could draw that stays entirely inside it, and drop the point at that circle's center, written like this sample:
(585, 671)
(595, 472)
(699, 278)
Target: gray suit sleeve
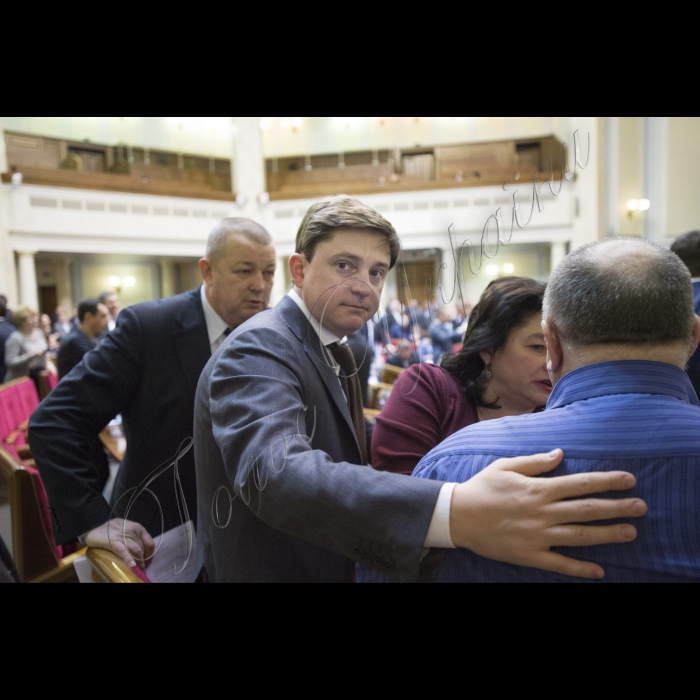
(263, 424)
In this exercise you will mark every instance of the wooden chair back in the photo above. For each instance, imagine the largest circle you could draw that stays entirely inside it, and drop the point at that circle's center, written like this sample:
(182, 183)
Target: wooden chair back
(391, 374)
(33, 546)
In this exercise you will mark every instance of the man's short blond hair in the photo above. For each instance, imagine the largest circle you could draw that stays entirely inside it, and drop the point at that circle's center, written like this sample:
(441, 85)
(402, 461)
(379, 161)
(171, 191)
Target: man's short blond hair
(328, 216)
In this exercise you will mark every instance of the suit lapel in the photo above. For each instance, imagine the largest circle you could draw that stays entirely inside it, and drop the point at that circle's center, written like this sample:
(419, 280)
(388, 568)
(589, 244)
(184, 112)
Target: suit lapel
(304, 331)
(192, 341)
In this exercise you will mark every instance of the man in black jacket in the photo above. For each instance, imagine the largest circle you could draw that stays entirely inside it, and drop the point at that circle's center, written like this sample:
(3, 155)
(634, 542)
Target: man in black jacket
(147, 370)
(8, 313)
(93, 318)
(78, 343)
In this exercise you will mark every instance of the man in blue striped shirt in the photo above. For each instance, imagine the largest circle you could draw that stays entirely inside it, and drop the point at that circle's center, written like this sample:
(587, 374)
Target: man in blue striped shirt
(620, 326)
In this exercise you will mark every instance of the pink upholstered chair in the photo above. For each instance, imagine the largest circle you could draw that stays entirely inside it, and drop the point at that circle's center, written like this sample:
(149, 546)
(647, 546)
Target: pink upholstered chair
(34, 549)
(36, 554)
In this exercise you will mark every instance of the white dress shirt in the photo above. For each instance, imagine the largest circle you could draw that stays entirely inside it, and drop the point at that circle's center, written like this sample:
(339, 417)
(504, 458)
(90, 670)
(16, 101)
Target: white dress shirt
(216, 327)
(439, 532)
(326, 337)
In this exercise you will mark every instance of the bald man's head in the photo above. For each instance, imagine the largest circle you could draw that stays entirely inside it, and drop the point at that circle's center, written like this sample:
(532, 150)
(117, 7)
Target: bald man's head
(621, 291)
(227, 228)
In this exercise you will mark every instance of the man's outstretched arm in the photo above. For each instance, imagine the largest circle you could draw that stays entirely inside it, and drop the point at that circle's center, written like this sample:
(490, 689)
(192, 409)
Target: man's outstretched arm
(256, 400)
(506, 514)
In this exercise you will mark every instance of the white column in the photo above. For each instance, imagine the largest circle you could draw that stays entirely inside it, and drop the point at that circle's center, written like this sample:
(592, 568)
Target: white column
(167, 279)
(8, 273)
(249, 180)
(65, 284)
(279, 289)
(28, 287)
(612, 175)
(588, 190)
(558, 253)
(3, 154)
(656, 177)
(8, 277)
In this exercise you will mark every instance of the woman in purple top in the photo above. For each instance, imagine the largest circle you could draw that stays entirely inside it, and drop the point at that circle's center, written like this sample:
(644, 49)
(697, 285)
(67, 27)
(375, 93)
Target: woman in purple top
(501, 371)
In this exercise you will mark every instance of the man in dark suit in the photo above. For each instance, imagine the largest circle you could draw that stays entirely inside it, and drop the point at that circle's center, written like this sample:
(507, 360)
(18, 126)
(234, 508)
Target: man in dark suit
(283, 487)
(147, 370)
(687, 248)
(405, 357)
(8, 313)
(6, 330)
(78, 342)
(444, 335)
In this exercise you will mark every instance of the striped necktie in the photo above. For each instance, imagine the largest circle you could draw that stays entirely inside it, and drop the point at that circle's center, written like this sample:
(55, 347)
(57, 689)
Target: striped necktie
(344, 357)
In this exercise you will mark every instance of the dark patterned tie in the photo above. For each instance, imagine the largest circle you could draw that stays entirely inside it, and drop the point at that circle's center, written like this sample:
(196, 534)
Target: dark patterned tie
(228, 332)
(344, 357)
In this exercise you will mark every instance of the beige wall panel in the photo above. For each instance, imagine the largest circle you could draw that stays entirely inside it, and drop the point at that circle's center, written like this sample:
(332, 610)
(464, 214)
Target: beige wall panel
(528, 261)
(683, 175)
(95, 280)
(631, 173)
(189, 275)
(88, 128)
(45, 126)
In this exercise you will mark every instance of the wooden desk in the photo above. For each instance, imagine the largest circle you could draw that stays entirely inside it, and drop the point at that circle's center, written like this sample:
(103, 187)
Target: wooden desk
(116, 446)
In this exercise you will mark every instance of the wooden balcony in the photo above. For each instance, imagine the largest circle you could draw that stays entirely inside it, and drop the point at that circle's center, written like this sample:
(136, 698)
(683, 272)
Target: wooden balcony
(90, 166)
(418, 169)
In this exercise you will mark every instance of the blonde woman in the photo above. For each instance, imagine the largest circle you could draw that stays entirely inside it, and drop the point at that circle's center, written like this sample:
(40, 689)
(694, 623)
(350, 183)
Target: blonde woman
(26, 348)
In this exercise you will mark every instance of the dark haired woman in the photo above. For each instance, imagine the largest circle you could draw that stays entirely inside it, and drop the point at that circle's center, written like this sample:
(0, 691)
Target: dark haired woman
(501, 371)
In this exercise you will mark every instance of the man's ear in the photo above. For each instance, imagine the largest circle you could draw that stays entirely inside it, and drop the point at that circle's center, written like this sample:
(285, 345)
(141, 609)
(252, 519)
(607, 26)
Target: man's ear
(555, 354)
(297, 268)
(696, 337)
(205, 269)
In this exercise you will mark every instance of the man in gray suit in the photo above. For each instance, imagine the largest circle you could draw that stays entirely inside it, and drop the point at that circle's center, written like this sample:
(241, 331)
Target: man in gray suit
(284, 492)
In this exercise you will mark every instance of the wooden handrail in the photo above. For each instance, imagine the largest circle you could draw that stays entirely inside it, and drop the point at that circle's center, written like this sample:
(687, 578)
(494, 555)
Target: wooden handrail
(16, 382)
(65, 573)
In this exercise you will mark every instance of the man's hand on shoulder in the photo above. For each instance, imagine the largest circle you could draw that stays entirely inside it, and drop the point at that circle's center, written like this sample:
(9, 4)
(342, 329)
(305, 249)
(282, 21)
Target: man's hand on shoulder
(507, 515)
(129, 541)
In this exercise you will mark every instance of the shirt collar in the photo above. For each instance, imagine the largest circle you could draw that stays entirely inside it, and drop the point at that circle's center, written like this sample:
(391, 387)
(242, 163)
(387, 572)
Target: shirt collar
(627, 377)
(327, 338)
(216, 326)
(696, 280)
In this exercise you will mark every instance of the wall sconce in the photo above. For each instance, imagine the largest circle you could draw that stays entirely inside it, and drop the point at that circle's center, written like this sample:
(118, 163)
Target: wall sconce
(263, 199)
(116, 283)
(241, 200)
(634, 205)
(494, 270)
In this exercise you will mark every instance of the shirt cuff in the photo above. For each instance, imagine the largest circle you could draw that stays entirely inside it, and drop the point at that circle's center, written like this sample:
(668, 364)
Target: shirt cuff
(439, 533)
